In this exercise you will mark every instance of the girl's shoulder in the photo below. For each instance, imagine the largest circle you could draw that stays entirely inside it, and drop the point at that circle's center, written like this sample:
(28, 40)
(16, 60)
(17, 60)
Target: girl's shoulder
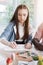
(12, 23)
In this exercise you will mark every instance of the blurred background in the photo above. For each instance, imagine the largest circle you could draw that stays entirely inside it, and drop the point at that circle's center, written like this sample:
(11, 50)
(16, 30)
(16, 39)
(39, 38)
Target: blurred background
(7, 8)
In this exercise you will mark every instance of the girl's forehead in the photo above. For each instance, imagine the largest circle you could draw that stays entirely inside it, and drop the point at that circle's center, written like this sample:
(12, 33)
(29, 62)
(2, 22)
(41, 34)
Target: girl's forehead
(23, 11)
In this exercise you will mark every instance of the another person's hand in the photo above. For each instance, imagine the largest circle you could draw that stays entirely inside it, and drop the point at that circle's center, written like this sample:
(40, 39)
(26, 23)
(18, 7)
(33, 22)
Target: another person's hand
(28, 45)
(13, 44)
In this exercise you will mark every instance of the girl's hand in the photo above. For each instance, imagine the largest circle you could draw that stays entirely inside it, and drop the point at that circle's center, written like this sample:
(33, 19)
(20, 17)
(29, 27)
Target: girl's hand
(13, 44)
(7, 43)
(28, 45)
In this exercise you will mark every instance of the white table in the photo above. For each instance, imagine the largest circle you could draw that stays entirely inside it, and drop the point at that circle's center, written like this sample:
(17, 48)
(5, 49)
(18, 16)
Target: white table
(28, 63)
(5, 52)
(3, 61)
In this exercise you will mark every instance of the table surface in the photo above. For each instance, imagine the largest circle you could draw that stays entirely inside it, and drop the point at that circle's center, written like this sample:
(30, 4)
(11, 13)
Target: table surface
(5, 52)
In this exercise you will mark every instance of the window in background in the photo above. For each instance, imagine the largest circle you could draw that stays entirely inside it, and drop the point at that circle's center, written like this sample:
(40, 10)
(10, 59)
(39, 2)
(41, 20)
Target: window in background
(7, 8)
(6, 11)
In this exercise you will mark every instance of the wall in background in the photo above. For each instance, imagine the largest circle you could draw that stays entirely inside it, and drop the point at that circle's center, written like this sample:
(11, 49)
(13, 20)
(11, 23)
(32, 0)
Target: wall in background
(39, 12)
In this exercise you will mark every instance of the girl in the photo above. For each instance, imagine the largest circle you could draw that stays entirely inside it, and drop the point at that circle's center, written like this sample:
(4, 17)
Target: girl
(18, 28)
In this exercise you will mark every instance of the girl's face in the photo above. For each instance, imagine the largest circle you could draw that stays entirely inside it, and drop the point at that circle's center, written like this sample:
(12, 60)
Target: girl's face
(22, 15)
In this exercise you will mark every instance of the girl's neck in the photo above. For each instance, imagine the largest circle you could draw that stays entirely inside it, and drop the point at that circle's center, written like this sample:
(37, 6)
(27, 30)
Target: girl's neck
(21, 23)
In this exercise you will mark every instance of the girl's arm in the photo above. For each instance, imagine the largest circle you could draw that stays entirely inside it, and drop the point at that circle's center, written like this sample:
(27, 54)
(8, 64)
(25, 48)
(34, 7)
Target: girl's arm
(7, 32)
(6, 36)
(7, 43)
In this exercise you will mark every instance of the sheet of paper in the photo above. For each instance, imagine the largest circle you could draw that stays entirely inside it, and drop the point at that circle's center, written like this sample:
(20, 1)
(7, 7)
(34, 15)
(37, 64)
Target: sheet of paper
(27, 63)
(19, 48)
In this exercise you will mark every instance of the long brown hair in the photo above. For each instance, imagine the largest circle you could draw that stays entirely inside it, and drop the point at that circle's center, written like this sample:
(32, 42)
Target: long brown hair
(15, 20)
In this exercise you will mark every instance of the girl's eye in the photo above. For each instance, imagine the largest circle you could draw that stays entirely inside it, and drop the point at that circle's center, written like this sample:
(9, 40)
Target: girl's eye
(19, 14)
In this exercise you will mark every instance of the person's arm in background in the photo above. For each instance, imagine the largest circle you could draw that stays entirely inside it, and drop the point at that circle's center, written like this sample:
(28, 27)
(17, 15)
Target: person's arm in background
(6, 35)
(37, 38)
(39, 33)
